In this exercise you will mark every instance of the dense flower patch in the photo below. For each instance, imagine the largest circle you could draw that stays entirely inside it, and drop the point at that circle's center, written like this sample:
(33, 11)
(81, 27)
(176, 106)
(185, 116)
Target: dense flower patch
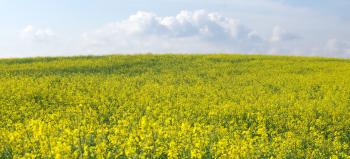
(175, 106)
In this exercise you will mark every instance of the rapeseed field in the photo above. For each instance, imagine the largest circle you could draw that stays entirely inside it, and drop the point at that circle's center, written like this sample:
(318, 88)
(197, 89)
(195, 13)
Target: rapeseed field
(175, 106)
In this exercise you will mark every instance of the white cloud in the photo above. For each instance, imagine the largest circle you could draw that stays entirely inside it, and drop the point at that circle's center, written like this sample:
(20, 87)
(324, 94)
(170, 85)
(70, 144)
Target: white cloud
(37, 34)
(197, 31)
(279, 35)
(186, 32)
(35, 41)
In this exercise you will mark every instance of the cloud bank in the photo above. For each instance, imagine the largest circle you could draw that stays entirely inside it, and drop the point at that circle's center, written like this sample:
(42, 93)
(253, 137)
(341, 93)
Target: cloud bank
(187, 32)
(192, 32)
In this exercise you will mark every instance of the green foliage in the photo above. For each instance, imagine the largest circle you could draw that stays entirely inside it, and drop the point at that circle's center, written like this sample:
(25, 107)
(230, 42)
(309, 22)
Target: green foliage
(175, 106)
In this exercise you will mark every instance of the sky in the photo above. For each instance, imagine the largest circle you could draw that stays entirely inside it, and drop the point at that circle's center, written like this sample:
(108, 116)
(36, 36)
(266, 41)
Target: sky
(98, 27)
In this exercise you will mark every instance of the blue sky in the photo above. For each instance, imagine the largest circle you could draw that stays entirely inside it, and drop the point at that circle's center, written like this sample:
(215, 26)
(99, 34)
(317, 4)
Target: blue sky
(82, 27)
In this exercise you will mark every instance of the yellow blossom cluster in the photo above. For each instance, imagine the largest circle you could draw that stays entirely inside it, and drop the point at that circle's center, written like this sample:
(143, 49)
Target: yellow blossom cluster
(175, 106)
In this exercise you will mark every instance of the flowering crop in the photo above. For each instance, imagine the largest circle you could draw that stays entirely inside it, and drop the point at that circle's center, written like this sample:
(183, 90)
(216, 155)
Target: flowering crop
(175, 106)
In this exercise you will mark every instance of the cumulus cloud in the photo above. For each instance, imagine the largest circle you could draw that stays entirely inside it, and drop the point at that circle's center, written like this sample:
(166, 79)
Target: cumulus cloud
(197, 31)
(279, 34)
(37, 34)
(186, 32)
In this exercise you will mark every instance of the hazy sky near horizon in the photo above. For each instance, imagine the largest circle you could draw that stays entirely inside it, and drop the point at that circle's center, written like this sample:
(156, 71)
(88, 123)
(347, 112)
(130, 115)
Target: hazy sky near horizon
(98, 27)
